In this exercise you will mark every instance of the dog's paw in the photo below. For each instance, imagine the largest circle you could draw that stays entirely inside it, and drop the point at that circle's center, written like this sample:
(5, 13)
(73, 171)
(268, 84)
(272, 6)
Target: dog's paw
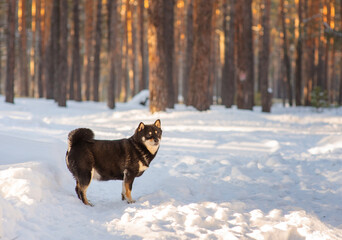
(89, 204)
(130, 201)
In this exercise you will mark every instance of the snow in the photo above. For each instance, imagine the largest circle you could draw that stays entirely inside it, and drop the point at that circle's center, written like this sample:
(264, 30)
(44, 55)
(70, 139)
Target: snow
(219, 174)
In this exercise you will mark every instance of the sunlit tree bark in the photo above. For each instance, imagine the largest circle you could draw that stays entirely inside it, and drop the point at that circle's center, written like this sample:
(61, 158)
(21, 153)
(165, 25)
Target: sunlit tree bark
(198, 95)
(23, 59)
(161, 51)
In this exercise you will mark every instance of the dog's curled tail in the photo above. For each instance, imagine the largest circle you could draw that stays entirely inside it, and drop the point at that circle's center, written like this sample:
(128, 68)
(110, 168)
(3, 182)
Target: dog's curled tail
(80, 135)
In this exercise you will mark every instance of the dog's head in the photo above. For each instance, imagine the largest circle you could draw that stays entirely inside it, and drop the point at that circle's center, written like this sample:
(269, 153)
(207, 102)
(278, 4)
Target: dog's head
(149, 135)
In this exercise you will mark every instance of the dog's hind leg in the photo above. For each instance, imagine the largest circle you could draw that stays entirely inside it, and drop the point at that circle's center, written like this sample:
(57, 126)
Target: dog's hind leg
(127, 187)
(82, 186)
(77, 190)
(83, 194)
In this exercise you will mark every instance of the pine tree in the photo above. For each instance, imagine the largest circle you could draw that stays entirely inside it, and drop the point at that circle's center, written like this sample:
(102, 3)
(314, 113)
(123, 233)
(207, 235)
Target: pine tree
(11, 22)
(228, 72)
(75, 90)
(287, 61)
(299, 50)
(188, 50)
(245, 64)
(63, 53)
(23, 59)
(88, 35)
(143, 47)
(161, 51)
(53, 52)
(199, 73)
(39, 59)
(112, 54)
(96, 77)
(264, 58)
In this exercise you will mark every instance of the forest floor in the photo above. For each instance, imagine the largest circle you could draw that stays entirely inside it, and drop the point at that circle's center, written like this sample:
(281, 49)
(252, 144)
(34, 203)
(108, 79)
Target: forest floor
(219, 174)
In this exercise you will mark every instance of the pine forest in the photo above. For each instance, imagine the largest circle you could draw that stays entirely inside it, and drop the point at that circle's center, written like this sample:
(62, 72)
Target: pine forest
(195, 52)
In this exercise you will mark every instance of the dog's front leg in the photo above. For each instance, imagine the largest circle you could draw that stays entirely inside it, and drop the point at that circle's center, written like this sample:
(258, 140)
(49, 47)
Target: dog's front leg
(127, 187)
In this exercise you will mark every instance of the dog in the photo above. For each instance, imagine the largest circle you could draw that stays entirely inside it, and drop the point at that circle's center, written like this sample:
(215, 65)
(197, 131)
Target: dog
(124, 159)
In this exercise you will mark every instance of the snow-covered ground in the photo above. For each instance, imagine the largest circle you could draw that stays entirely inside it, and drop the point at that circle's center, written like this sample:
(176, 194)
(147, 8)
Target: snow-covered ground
(219, 174)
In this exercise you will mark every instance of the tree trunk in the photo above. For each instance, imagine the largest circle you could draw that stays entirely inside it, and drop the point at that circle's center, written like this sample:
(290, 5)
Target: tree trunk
(135, 58)
(143, 48)
(63, 52)
(309, 49)
(96, 77)
(119, 50)
(332, 82)
(52, 54)
(23, 59)
(160, 35)
(112, 55)
(75, 90)
(126, 78)
(56, 50)
(261, 14)
(286, 55)
(39, 53)
(321, 56)
(299, 49)
(89, 18)
(245, 86)
(1, 72)
(109, 18)
(10, 51)
(264, 58)
(327, 46)
(340, 87)
(213, 56)
(188, 50)
(169, 48)
(228, 72)
(199, 75)
(179, 47)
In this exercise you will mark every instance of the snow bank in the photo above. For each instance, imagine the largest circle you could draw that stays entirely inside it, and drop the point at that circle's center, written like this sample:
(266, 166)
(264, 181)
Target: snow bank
(142, 98)
(327, 144)
(219, 174)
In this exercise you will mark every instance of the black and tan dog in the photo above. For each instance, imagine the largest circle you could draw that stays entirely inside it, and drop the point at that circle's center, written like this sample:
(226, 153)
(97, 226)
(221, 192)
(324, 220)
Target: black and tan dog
(103, 160)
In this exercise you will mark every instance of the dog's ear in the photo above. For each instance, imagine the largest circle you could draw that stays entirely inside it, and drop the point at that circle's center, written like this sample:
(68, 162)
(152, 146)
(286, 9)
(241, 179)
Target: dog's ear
(157, 123)
(141, 126)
